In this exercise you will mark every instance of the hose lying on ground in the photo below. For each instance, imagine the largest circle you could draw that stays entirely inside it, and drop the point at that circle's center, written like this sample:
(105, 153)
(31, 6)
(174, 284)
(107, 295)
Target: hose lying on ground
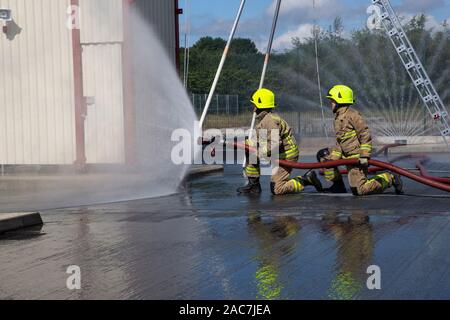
(421, 159)
(419, 164)
(424, 173)
(352, 162)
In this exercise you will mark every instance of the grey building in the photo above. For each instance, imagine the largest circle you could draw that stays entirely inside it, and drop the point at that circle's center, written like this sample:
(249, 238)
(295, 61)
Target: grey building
(66, 82)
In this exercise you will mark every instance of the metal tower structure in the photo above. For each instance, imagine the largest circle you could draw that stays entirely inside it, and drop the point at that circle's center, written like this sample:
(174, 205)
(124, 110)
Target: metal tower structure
(425, 88)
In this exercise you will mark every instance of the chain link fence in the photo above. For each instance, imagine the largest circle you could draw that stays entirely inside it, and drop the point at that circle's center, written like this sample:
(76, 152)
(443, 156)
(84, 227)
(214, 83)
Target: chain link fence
(220, 104)
(231, 111)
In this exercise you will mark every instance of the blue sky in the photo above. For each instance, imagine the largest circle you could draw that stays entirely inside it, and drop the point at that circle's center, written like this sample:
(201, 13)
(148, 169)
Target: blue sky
(215, 17)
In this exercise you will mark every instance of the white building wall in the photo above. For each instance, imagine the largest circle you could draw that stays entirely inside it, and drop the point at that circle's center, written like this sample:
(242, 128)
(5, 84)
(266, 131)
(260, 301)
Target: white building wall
(37, 123)
(101, 23)
(37, 111)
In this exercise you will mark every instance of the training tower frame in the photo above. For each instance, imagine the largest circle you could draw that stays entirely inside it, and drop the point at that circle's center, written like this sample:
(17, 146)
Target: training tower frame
(413, 65)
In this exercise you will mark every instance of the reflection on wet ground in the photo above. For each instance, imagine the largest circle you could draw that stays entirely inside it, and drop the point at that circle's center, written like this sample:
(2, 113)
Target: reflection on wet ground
(209, 243)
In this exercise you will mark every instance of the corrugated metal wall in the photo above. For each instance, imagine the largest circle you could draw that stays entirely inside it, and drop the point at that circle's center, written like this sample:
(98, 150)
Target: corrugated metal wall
(161, 13)
(36, 85)
(37, 112)
(102, 39)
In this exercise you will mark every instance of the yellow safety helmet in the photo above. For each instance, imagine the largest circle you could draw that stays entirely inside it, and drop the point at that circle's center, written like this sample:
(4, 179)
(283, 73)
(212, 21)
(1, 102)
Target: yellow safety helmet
(341, 94)
(263, 99)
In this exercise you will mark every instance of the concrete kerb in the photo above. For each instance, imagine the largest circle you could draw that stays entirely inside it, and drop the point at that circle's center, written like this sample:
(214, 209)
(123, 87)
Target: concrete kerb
(197, 171)
(19, 220)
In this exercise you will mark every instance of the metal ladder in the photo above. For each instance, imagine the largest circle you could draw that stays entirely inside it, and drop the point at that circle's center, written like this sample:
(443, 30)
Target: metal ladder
(415, 69)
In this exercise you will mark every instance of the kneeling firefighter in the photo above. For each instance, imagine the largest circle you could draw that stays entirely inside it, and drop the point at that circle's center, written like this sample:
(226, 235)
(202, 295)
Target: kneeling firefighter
(354, 141)
(338, 185)
(264, 101)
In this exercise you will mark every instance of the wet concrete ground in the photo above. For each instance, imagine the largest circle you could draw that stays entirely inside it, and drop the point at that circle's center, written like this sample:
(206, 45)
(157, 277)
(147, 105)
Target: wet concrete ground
(209, 243)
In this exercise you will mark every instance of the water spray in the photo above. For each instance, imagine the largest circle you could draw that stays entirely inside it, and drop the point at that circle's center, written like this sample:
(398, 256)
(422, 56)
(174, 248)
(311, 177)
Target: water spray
(385, 149)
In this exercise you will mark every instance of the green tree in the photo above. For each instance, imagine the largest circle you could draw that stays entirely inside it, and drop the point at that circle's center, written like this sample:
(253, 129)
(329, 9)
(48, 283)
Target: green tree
(366, 61)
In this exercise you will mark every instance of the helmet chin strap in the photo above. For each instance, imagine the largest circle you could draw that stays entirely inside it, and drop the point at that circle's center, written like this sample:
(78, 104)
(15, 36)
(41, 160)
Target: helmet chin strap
(336, 108)
(259, 111)
(339, 106)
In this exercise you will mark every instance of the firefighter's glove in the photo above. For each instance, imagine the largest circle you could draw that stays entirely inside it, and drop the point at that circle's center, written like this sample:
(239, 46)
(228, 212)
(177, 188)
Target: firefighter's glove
(364, 162)
(249, 143)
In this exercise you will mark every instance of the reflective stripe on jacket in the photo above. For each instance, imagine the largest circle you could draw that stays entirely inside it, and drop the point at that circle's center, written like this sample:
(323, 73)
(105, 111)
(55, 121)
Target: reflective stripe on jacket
(269, 121)
(352, 135)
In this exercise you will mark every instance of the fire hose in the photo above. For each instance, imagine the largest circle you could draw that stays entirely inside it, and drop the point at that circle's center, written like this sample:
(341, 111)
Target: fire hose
(420, 166)
(353, 162)
(424, 173)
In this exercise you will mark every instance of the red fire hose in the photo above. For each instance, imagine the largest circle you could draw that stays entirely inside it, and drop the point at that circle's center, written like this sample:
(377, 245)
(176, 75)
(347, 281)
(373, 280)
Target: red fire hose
(424, 173)
(337, 163)
(420, 156)
(419, 164)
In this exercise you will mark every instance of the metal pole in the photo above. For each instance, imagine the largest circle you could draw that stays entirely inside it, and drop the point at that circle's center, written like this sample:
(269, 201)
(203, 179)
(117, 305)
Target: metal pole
(266, 63)
(186, 43)
(222, 62)
(266, 60)
(319, 82)
(177, 13)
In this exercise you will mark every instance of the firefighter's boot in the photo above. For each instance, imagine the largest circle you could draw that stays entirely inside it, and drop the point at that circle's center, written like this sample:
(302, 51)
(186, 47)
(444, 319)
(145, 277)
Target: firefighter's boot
(397, 183)
(337, 187)
(311, 179)
(252, 187)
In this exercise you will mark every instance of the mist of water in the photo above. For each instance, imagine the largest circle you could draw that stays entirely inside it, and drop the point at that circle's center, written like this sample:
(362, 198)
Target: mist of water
(161, 105)
(385, 94)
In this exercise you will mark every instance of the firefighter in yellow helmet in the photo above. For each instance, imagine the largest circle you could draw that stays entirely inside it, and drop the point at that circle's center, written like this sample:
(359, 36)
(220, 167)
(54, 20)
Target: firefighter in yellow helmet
(267, 123)
(354, 141)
